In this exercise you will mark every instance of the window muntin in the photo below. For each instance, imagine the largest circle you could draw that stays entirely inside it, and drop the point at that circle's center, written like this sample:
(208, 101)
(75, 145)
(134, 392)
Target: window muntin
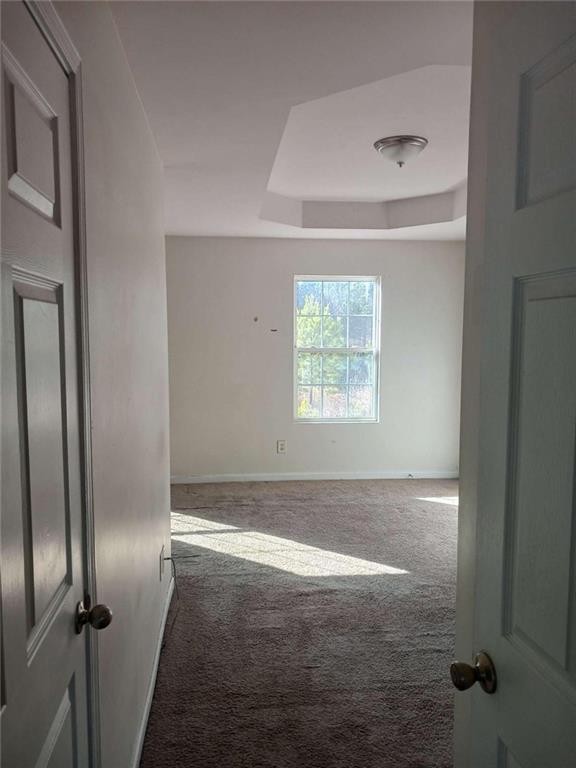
(336, 335)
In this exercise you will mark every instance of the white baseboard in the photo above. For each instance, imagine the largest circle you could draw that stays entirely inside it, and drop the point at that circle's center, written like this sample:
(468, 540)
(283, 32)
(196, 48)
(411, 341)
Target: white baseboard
(152, 684)
(432, 474)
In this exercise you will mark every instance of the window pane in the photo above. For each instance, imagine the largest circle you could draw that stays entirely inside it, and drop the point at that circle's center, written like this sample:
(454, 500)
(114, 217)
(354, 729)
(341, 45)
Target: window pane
(335, 370)
(335, 298)
(304, 375)
(334, 331)
(308, 331)
(360, 332)
(361, 298)
(360, 402)
(316, 369)
(334, 403)
(309, 369)
(309, 402)
(361, 367)
(308, 297)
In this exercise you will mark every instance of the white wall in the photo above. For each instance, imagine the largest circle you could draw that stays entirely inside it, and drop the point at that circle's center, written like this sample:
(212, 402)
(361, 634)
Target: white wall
(231, 378)
(129, 374)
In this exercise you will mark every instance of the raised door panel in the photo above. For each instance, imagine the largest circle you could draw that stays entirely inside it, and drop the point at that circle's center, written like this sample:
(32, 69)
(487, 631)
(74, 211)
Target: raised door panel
(32, 142)
(37, 221)
(541, 519)
(547, 147)
(505, 758)
(59, 750)
(43, 449)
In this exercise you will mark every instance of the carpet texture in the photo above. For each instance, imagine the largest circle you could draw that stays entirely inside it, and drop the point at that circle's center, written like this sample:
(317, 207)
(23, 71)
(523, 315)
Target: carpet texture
(314, 627)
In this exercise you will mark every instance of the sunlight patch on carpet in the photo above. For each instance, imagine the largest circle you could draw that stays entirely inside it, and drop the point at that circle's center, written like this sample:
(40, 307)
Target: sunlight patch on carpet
(283, 554)
(189, 524)
(452, 501)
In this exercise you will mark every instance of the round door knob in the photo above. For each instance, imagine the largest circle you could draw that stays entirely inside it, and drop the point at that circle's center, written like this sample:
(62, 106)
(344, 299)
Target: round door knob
(483, 672)
(99, 617)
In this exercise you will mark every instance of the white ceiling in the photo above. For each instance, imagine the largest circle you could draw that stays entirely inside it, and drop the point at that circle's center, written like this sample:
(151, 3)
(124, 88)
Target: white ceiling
(327, 152)
(251, 98)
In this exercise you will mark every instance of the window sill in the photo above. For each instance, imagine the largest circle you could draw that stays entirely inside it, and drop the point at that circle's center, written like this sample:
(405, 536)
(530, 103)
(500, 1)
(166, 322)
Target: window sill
(337, 421)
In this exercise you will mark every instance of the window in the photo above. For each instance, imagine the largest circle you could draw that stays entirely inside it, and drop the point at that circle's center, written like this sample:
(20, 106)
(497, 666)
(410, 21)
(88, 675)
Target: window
(336, 342)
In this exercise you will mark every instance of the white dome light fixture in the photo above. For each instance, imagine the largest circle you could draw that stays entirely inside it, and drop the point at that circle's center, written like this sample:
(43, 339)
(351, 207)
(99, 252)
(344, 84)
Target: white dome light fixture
(400, 149)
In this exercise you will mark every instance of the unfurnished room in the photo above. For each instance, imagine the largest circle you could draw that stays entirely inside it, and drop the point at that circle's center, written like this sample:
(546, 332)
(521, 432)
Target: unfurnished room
(288, 384)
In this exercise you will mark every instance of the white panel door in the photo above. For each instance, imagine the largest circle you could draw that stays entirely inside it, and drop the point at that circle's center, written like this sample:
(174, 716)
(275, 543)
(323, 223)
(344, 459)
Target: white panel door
(44, 707)
(526, 558)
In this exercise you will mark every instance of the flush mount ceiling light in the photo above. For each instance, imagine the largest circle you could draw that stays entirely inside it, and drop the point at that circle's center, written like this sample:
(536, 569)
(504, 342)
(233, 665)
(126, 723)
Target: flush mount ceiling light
(400, 149)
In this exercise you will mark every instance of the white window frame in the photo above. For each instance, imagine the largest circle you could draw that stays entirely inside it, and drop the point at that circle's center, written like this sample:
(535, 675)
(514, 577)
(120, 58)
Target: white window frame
(376, 337)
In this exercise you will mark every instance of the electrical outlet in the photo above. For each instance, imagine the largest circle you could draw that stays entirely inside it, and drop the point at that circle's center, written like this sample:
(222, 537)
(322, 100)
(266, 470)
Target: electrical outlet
(162, 563)
(280, 446)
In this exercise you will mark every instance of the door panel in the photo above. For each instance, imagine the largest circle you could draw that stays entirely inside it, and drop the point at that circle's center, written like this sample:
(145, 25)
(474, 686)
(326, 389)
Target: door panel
(540, 589)
(32, 142)
(58, 750)
(506, 759)
(547, 151)
(42, 388)
(45, 706)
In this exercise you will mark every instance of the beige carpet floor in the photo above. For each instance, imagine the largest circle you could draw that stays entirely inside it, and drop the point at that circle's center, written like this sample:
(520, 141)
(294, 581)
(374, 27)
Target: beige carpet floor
(314, 627)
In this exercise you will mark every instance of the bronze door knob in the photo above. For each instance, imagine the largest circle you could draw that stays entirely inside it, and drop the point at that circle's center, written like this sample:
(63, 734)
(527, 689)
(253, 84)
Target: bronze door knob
(99, 617)
(465, 675)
